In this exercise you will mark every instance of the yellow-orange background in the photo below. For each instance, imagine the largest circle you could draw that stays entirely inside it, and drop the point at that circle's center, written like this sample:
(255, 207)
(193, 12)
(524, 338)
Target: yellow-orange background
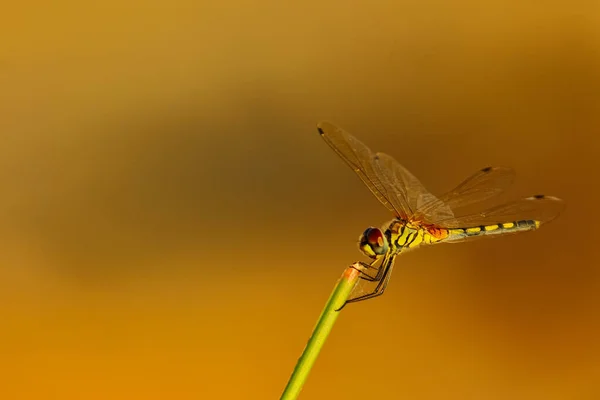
(171, 223)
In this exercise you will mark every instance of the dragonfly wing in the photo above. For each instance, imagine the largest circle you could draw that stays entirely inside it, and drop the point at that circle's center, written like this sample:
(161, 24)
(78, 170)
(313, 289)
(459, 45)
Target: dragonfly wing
(538, 208)
(407, 187)
(483, 185)
(366, 165)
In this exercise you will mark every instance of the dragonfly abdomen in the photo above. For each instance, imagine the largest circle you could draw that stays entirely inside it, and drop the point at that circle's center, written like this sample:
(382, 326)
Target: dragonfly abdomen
(495, 229)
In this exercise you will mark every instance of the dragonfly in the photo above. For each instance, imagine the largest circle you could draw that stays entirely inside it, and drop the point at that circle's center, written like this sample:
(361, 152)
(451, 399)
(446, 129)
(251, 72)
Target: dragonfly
(420, 218)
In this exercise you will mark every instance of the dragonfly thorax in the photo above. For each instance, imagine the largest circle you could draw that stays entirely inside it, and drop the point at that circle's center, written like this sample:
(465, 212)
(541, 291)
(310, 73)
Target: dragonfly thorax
(373, 242)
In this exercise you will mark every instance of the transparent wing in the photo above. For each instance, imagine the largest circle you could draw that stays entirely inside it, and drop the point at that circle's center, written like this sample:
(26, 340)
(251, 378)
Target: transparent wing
(407, 187)
(483, 185)
(539, 208)
(386, 179)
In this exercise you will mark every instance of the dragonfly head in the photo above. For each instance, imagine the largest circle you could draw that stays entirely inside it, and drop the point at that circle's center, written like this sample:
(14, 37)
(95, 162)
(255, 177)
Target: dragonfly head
(373, 243)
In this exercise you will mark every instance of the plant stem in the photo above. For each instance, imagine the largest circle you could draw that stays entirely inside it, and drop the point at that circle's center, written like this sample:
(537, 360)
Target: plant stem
(338, 297)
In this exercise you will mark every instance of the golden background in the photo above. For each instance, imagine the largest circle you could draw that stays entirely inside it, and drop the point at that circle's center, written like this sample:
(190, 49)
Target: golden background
(172, 224)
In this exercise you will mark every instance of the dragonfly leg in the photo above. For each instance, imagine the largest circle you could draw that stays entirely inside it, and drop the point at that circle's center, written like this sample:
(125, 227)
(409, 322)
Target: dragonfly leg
(378, 291)
(366, 276)
(362, 268)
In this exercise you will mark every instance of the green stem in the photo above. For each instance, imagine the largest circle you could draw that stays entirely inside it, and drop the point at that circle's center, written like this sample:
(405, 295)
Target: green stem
(338, 297)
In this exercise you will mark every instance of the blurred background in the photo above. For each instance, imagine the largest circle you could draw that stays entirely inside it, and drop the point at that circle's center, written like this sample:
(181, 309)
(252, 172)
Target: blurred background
(172, 224)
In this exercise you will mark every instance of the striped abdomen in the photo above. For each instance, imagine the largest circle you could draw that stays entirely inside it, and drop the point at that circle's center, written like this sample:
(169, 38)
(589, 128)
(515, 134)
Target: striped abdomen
(406, 236)
(496, 229)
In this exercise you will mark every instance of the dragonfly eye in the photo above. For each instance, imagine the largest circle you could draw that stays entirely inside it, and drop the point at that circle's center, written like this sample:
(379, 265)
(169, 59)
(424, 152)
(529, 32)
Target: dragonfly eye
(373, 243)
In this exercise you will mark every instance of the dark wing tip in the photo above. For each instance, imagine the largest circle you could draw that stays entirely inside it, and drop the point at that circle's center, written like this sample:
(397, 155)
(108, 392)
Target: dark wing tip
(544, 197)
(325, 126)
(497, 168)
(552, 207)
